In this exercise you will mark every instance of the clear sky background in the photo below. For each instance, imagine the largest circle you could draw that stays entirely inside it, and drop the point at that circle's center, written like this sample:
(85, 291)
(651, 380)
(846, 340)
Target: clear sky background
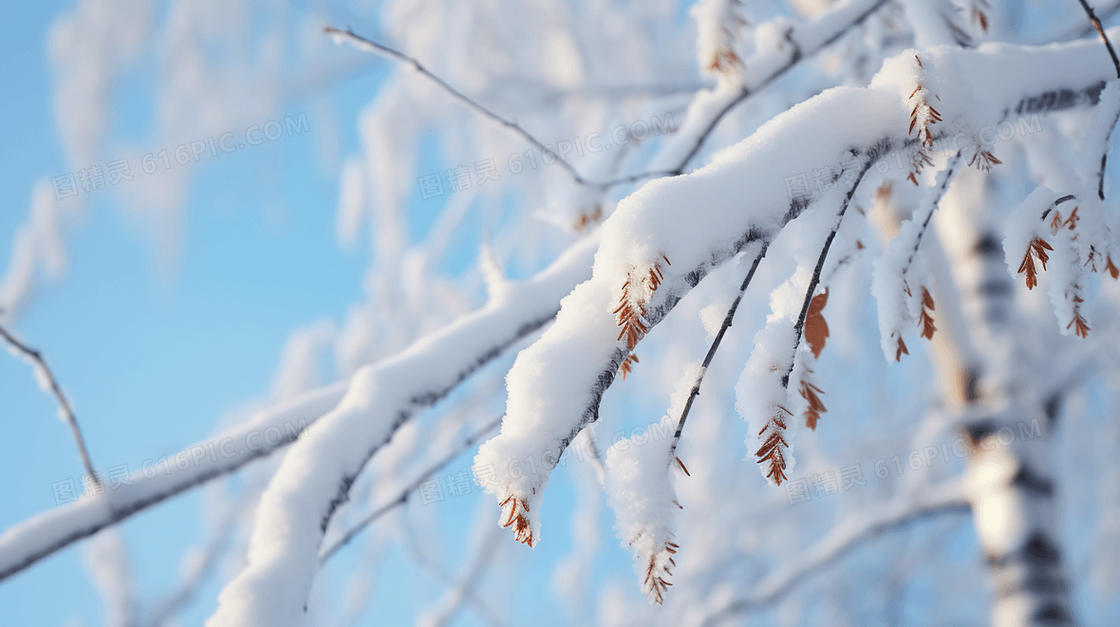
(152, 354)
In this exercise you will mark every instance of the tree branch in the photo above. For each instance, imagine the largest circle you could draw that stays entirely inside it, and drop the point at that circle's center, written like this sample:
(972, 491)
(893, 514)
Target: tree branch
(832, 22)
(329, 551)
(712, 350)
(799, 326)
(373, 47)
(63, 404)
(946, 499)
(1100, 30)
(833, 19)
(526, 307)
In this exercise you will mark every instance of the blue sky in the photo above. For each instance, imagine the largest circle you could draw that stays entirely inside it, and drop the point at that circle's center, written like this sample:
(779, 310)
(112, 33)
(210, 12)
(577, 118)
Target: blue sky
(151, 357)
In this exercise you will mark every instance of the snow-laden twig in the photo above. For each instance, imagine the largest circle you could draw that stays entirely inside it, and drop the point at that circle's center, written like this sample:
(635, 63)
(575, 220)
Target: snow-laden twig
(1100, 131)
(316, 474)
(814, 282)
(25, 543)
(329, 551)
(763, 395)
(900, 286)
(712, 351)
(845, 537)
(804, 40)
(46, 377)
(373, 47)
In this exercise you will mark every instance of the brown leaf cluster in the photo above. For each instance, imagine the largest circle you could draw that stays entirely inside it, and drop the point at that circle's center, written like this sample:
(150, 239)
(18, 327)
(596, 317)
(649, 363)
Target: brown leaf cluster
(522, 530)
(1037, 248)
(724, 58)
(655, 584)
(584, 220)
(813, 413)
(625, 368)
(1056, 223)
(901, 350)
(984, 159)
(925, 136)
(631, 311)
(770, 452)
(1082, 329)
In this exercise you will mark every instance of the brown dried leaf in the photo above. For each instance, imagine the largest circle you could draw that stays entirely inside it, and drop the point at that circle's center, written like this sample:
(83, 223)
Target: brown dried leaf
(626, 366)
(813, 412)
(1037, 248)
(683, 468)
(925, 321)
(1082, 329)
(1071, 222)
(816, 329)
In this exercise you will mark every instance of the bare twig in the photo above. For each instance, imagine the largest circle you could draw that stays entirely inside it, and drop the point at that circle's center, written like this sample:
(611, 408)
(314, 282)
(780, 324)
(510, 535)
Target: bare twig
(799, 326)
(745, 91)
(842, 540)
(329, 552)
(64, 404)
(713, 348)
(934, 197)
(1097, 25)
(373, 47)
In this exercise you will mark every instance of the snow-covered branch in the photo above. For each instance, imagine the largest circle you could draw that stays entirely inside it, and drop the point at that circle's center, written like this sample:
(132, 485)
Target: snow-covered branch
(316, 474)
(520, 310)
(39, 536)
(331, 548)
(797, 42)
(669, 235)
(844, 537)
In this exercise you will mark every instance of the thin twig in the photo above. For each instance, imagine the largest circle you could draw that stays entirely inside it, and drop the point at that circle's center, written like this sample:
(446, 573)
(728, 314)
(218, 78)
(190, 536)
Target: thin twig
(799, 327)
(747, 90)
(328, 552)
(375, 48)
(368, 45)
(951, 169)
(712, 350)
(830, 549)
(67, 411)
(1097, 25)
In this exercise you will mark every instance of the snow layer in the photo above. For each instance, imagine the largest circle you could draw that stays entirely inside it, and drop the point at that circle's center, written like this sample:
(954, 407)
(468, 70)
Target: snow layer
(683, 227)
(316, 474)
